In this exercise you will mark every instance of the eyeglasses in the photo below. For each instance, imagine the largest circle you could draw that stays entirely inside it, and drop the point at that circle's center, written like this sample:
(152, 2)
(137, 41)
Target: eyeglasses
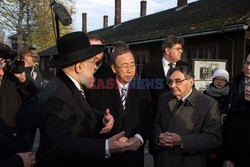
(177, 81)
(247, 63)
(220, 79)
(178, 49)
(126, 67)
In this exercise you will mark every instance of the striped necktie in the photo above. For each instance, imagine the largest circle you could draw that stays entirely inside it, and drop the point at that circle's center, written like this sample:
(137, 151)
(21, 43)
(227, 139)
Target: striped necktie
(123, 98)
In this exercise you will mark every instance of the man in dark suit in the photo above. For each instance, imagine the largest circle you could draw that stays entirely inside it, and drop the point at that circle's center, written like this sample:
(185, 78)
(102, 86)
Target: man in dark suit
(130, 103)
(237, 86)
(69, 127)
(187, 123)
(103, 70)
(172, 49)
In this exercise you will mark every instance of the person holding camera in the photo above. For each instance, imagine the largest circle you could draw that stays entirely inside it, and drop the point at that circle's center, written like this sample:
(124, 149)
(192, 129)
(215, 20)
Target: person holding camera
(29, 55)
(15, 90)
(12, 152)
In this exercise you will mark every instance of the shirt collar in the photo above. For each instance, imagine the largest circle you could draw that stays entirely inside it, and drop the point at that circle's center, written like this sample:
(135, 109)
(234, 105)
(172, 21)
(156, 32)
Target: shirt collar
(185, 97)
(165, 62)
(120, 86)
(75, 82)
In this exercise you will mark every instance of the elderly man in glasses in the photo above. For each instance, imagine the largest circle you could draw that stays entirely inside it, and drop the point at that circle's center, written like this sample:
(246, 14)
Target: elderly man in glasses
(237, 86)
(235, 146)
(130, 104)
(187, 124)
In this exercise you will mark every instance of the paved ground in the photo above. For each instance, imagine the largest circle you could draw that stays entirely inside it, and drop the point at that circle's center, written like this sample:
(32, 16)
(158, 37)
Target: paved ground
(148, 160)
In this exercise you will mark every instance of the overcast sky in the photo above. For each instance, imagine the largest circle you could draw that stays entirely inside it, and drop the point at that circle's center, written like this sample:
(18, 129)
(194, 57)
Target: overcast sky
(130, 9)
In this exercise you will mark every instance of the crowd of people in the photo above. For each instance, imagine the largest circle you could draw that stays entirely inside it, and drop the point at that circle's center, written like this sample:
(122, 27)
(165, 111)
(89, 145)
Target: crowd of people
(83, 125)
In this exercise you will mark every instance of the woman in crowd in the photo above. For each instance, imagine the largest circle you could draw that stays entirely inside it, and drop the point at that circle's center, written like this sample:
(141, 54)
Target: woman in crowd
(218, 90)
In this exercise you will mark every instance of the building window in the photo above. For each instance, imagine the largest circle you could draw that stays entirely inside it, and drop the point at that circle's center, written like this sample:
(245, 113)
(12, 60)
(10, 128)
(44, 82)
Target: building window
(141, 58)
(202, 52)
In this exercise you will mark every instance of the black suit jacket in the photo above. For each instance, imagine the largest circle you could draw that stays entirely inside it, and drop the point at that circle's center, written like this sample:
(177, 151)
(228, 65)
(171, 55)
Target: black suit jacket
(68, 127)
(13, 161)
(137, 119)
(154, 70)
(104, 71)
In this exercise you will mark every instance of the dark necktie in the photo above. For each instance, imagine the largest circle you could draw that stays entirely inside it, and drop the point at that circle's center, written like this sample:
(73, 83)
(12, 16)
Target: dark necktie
(171, 66)
(123, 98)
(177, 106)
(82, 92)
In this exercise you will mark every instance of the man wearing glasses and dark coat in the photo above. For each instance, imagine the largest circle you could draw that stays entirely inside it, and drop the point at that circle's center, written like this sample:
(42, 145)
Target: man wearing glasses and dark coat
(187, 123)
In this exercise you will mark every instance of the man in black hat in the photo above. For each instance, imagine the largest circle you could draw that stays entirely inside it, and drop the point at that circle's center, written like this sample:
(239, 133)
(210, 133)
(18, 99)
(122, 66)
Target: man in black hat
(69, 127)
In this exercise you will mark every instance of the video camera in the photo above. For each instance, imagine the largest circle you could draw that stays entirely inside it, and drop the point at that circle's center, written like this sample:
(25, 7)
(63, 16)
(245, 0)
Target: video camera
(12, 64)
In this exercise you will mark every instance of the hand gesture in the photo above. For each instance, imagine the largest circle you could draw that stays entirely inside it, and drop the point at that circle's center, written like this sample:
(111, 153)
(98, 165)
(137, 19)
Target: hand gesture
(168, 139)
(108, 122)
(2, 63)
(115, 145)
(21, 77)
(28, 158)
(137, 144)
(228, 164)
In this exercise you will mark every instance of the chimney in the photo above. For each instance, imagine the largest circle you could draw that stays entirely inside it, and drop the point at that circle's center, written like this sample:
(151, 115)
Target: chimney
(84, 22)
(181, 3)
(143, 8)
(105, 21)
(117, 12)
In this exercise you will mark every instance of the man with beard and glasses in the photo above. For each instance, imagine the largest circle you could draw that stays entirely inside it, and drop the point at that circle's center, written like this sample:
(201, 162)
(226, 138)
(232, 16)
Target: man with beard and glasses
(69, 127)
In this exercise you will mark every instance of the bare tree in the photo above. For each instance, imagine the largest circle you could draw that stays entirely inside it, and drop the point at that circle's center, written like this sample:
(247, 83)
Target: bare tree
(32, 20)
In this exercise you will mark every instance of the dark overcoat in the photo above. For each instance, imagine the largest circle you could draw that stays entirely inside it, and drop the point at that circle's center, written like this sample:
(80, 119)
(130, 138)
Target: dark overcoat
(68, 127)
(197, 121)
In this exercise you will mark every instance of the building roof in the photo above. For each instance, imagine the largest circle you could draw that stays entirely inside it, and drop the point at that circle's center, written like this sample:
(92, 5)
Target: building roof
(50, 51)
(199, 16)
(13, 36)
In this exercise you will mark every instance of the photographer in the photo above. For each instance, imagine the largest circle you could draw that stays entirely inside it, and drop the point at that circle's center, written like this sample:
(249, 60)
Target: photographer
(29, 55)
(15, 90)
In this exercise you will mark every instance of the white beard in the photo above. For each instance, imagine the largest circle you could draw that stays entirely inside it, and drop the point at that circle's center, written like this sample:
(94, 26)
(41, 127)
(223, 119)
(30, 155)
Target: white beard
(87, 82)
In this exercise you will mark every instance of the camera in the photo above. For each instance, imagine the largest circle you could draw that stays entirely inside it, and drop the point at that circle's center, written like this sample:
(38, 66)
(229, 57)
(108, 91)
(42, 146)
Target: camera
(12, 64)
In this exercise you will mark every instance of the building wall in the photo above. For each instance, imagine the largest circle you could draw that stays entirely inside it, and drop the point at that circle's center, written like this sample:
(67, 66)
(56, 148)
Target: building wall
(213, 46)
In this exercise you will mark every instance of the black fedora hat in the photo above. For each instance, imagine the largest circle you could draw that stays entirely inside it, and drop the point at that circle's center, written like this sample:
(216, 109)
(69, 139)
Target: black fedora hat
(72, 48)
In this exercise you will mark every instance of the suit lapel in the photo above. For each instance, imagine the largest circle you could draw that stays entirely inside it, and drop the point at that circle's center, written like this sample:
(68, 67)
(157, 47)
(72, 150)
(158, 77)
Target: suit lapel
(159, 68)
(114, 98)
(172, 104)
